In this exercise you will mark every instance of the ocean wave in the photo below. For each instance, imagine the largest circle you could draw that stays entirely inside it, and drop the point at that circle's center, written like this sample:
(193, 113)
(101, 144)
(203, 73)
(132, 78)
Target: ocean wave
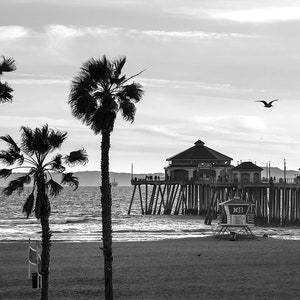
(70, 220)
(77, 220)
(197, 230)
(144, 231)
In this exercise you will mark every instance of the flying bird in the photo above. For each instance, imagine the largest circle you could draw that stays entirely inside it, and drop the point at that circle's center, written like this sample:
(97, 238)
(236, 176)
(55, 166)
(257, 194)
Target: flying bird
(267, 104)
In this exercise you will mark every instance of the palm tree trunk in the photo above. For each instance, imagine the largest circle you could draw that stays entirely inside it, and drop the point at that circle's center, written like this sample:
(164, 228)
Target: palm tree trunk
(106, 203)
(46, 235)
(45, 257)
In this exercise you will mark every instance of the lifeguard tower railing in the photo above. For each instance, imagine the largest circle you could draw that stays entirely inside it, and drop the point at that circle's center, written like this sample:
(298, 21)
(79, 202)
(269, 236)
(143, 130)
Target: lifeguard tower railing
(275, 202)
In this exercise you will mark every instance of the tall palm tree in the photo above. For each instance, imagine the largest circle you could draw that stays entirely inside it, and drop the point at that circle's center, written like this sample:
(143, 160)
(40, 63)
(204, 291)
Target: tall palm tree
(7, 65)
(32, 155)
(97, 94)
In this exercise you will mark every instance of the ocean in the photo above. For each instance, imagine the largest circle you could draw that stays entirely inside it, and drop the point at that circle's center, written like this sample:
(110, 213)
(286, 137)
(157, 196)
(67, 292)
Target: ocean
(76, 216)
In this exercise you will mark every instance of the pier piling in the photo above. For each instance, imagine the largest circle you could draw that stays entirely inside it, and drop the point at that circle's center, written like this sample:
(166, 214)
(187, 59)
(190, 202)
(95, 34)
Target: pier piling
(272, 203)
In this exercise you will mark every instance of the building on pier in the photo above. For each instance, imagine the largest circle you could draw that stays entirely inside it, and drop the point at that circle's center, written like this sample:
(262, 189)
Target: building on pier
(246, 172)
(198, 163)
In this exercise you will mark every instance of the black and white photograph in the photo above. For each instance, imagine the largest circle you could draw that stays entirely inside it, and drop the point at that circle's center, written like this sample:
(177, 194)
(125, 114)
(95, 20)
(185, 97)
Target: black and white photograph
(150, 149)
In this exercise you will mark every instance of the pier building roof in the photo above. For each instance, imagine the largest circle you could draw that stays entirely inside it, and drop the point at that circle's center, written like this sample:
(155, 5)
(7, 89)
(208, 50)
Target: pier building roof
(200, 152)
(247, 166)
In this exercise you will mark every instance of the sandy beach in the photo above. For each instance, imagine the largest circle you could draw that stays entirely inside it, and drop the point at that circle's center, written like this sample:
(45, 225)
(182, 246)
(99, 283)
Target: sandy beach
(198, 268)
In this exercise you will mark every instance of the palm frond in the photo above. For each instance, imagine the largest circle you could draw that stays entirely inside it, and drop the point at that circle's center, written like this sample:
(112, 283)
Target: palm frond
(13, 154)
(135, 75)
(9, 140)
(5, 92)
(7, 65)
(37, 208)
(17, 185)
(56, 138)
(9, 157)
(82, 104)
(128, 110)
(32, 171)
(77, 157)
(118, 66)
(54, 188)
(19, 158)
(5, 173)
(132, 91)
(56, 163)
(103, 121)
(40, 141)
(69, 179)
(98, 70)
(27, 135)
(6, 158)
(28, 205)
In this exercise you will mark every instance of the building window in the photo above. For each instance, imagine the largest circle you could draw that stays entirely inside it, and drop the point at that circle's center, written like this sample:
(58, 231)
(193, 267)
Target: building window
(245, 177)
(180, 174)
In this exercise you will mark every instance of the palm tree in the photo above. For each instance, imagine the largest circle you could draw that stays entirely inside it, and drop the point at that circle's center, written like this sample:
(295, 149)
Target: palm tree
(7, 65)
(97, 94)
(33, 156)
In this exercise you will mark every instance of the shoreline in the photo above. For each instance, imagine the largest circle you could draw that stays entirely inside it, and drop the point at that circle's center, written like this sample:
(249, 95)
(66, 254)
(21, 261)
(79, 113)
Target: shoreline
(187, 268)
(277, 233)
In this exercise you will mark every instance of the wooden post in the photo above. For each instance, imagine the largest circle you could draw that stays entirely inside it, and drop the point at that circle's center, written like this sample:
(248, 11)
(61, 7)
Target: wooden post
(141, 199)
(149, 212)
(174, 195)
(129, 209)
(146, 198)
(179, 200)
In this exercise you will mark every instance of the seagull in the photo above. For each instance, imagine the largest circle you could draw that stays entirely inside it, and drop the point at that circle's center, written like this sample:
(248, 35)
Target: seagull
(267, 104)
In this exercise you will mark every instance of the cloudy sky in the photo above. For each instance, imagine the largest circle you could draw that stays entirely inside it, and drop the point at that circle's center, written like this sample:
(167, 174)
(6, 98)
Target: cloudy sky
(207, 62)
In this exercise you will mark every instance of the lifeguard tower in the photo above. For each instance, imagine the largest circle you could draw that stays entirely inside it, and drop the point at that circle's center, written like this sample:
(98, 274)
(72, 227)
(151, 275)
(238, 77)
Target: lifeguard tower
(236, 218)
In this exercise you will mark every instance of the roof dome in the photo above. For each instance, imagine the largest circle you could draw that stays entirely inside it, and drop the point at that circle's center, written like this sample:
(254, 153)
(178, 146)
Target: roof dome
(199, 143)
(200, 152)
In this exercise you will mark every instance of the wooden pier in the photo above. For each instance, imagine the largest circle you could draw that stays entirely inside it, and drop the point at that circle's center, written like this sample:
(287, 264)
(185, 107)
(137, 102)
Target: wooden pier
(273, 203)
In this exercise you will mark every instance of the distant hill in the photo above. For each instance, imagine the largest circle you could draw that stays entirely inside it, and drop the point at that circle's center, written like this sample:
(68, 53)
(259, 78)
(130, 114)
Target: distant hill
(92, 178)
(278, 173)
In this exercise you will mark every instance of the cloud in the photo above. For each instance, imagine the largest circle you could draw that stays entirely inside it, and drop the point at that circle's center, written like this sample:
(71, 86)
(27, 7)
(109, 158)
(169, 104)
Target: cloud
(166, 35)
(261, 15)
(13, 32)
(46, 81)
(32, 79)
(56, 31)
(71, 31)
(195, 85)
(62, 31)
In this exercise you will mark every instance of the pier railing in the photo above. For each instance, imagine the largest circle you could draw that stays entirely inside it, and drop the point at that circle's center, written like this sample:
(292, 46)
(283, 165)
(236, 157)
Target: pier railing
(277, 181)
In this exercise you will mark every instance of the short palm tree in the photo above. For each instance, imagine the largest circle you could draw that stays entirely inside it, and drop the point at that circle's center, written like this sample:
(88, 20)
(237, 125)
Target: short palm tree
(32, 155)
(97, 94)
(7, 65)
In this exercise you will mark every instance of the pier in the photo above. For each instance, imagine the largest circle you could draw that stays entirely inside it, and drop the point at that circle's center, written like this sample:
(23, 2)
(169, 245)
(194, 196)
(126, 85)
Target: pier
(273, 203)
(199, 178)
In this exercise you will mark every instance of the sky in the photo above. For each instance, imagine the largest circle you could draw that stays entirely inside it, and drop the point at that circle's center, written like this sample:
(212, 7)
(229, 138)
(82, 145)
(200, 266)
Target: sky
(206, 62)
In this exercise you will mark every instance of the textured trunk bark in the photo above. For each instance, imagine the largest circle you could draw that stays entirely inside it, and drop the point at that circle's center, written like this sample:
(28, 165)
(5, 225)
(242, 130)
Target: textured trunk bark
(46, 244)
(46, 236)
(106, 203)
